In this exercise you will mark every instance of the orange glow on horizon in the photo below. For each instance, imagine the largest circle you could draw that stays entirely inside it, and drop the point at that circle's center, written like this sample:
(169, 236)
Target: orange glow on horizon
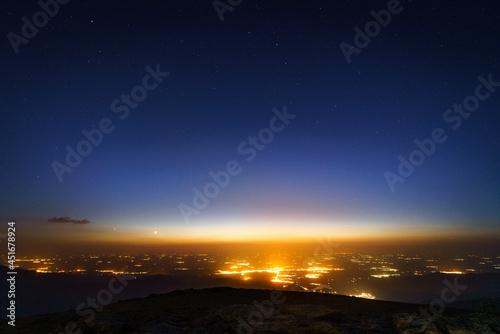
(271, 236)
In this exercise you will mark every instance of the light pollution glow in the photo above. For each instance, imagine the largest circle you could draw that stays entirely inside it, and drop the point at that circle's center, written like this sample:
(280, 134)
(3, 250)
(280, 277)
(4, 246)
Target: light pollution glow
(272, 232)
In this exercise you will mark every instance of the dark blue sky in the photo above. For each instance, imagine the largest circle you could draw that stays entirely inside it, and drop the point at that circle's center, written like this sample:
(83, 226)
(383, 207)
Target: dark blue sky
(323, 174)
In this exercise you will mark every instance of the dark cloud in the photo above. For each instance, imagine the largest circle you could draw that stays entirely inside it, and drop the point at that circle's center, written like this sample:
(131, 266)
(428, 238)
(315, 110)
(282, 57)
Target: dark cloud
(68, 220)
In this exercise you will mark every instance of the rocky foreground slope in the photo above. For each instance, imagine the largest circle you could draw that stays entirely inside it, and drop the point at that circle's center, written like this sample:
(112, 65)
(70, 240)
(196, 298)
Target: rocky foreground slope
(229, 310)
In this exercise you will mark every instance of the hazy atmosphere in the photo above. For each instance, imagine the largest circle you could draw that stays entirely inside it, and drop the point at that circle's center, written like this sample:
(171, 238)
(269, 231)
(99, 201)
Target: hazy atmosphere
(261, 126)
(225, 131)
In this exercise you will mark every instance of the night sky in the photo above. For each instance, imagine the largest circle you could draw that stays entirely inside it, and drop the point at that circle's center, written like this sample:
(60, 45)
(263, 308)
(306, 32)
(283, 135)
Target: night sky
(322, 171)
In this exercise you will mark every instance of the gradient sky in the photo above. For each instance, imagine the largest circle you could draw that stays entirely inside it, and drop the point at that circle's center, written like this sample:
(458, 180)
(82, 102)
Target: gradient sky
(322, 175)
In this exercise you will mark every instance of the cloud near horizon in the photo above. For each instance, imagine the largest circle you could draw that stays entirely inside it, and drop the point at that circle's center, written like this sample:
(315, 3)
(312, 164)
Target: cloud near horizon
(67, 220)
